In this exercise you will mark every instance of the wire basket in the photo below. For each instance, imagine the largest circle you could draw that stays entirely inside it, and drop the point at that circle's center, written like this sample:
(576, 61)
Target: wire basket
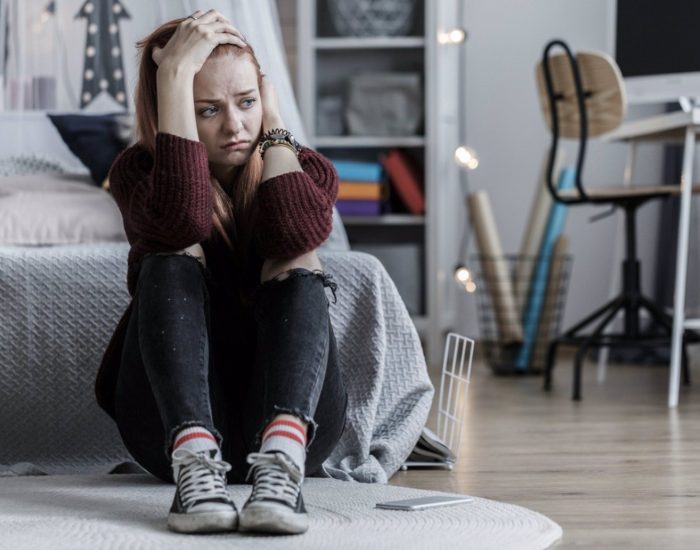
(520, 305)
(372, 17)
(440, 448)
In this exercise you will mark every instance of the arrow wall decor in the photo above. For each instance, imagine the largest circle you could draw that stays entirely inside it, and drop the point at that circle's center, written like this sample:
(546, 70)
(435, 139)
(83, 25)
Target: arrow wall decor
(103, 70)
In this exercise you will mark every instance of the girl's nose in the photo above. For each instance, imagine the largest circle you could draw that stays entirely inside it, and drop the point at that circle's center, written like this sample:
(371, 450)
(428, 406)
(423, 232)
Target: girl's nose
(234, 123)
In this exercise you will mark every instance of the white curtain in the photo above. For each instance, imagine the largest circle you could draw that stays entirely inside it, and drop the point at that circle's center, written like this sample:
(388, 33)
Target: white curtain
(43, 44)
(29, 60)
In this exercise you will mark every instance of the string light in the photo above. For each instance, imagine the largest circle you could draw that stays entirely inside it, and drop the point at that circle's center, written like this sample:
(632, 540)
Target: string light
(452, 36)
(464, 278)
(462, 274)
(466, 157)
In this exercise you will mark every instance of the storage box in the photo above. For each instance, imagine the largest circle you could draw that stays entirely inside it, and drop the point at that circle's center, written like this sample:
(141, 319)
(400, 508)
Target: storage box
(384, 104)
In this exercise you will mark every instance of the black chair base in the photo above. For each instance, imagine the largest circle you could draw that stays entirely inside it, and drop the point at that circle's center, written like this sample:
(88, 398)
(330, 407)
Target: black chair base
(659, 335)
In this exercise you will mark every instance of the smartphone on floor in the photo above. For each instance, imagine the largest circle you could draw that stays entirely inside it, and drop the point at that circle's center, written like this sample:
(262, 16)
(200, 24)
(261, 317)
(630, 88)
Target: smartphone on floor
(422, 503)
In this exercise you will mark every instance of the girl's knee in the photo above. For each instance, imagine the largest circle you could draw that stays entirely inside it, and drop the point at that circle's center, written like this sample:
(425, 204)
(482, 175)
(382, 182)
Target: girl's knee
(171, 264)
(299, 272)
(274, 268)
(171, 273)
(194, 251)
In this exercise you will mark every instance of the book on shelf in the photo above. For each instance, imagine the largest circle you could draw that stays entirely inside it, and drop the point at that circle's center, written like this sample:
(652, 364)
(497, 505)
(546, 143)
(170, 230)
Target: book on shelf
(430, 448)
(362, 190)
(353, 170)
(358, 207)
(405, 178)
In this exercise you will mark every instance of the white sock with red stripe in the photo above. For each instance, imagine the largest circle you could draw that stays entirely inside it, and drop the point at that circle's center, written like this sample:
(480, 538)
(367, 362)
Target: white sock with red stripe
(197, 439)
(286, 435)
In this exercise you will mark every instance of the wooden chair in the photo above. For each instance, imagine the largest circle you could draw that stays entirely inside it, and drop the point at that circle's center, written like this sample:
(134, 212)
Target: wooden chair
(582, 96)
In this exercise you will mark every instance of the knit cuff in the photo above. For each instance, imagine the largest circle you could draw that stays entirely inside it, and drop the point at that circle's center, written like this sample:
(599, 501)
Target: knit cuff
(181, 189)
(181, 162)
(295, 209)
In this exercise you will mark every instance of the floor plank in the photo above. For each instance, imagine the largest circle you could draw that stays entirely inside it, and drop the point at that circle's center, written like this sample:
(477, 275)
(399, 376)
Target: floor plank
(616, 470)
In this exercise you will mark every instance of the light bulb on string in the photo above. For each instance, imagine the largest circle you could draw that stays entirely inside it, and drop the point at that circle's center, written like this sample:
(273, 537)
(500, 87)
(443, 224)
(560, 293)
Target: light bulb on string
(462, 274)
(466, 157)
(457, 36)
(452, 36)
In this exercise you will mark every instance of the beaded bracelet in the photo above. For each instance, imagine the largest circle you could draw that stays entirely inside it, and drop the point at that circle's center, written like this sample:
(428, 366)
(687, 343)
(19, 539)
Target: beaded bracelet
(272, 142)
(278, 136)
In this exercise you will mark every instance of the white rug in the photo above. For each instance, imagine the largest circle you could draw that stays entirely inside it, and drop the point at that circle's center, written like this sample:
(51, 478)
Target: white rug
(128, 512)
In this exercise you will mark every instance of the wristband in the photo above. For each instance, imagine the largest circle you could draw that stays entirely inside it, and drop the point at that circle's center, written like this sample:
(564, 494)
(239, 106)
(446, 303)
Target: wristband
(278, 136)
(272, 143)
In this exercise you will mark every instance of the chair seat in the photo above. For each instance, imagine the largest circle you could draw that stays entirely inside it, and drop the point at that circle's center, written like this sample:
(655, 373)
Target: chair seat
(614, 192)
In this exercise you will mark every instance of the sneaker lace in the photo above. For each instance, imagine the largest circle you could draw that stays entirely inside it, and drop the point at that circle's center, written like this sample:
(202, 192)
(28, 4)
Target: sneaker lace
(200, 476)
(276, 477)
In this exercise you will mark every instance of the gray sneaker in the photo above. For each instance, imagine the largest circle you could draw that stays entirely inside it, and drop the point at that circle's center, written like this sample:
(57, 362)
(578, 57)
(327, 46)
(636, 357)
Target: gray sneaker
(202, 503)
(275, 504)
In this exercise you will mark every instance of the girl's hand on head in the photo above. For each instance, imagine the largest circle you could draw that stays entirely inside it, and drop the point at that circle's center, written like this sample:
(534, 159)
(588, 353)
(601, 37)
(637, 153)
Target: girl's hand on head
(194, 40)
(270, 105)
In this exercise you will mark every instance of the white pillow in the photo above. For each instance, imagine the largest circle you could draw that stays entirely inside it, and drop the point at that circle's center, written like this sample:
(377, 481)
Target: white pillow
(51, 209)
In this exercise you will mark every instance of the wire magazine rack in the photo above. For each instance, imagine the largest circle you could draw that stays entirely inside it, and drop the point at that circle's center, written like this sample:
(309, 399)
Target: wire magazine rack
(439, 448)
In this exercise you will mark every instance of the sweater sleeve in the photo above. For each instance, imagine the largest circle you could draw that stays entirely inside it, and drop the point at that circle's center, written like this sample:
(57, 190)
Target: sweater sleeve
(165, 200)
(295, 210)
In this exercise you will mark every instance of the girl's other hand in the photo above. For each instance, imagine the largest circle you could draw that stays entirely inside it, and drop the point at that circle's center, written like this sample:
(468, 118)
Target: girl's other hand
(270, 105)
(194, 40)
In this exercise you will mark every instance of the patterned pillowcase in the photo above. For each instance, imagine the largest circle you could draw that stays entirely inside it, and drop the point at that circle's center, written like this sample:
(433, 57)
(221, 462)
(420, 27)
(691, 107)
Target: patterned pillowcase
(32, 163)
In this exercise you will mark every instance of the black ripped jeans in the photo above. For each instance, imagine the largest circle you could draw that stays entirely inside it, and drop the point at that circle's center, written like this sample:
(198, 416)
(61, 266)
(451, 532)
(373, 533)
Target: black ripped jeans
(181, 368)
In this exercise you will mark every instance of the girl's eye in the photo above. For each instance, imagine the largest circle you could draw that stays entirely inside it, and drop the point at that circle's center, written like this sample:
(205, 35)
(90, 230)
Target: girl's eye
(249, 102)
(204, 111)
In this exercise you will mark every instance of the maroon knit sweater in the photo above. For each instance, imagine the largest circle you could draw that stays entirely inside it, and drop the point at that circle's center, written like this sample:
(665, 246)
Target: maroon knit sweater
(166, 205)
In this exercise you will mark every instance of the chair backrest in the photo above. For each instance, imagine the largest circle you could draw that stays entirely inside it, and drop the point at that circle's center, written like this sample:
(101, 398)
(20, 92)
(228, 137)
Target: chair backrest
(581, 96)
(604, 93)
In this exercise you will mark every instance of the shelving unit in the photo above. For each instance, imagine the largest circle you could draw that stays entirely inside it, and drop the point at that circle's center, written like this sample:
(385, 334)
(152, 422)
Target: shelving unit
(325, 62)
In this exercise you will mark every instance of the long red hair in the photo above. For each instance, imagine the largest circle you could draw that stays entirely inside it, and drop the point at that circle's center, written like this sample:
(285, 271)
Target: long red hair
(233, 206)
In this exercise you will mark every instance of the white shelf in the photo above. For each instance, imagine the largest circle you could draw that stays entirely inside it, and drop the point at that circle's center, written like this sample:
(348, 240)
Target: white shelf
(386, 219)
(324, 64)
(358, 43)
(369, 141)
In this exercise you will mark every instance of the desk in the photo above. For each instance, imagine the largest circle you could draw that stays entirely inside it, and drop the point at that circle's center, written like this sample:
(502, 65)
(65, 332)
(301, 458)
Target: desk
(681, 127)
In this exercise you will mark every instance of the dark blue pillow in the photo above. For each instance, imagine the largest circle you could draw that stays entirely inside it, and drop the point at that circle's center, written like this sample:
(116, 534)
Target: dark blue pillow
(94, 139)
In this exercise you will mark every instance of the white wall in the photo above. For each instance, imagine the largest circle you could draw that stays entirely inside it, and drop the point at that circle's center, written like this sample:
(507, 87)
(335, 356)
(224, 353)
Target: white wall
(505, 126)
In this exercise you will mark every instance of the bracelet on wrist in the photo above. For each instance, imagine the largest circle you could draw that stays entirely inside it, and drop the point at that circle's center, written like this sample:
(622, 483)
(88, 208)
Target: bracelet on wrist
(278, 136)
(278, 143)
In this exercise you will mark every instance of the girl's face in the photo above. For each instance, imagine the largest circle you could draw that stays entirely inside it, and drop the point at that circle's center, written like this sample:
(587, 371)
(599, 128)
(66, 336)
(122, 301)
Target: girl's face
(228, 109)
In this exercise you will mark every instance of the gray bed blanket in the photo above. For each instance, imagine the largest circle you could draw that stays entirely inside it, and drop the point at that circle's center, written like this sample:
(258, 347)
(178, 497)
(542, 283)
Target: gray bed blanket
(59, 306)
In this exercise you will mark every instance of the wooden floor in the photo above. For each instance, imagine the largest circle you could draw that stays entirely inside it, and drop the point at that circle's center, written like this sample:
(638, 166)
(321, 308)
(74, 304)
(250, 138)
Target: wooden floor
(616, 470)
